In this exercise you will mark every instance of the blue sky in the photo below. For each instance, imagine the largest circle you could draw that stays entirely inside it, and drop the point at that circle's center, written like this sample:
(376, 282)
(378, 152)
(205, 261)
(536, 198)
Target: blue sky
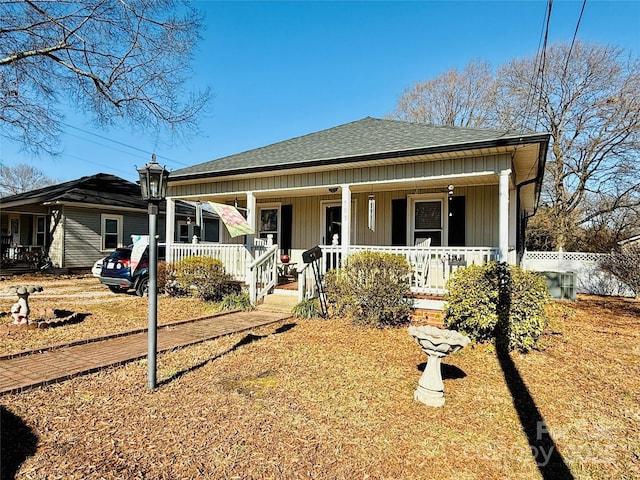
(279, 70)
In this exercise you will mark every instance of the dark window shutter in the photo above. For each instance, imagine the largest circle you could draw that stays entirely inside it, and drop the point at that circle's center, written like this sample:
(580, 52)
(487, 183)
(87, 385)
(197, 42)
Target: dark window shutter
(286, 217)
(456, 222)
(399, 221)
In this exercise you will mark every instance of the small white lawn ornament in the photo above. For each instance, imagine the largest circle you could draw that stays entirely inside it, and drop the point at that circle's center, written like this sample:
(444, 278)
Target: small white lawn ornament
(20, 310)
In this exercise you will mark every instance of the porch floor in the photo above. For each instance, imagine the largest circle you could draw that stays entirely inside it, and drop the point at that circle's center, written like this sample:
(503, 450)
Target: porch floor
(284, 284)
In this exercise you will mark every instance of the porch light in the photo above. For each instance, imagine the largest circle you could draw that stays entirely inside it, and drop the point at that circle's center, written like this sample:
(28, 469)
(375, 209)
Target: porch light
(153, 187)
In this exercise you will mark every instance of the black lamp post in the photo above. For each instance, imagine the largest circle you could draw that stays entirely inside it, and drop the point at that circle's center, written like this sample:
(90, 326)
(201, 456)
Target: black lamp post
(153, 186)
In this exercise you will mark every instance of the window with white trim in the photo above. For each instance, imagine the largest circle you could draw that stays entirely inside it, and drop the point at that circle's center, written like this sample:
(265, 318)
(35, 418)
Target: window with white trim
(427, 221)
(269, 222)
(111, 231)
(41, 230)
(184, 232)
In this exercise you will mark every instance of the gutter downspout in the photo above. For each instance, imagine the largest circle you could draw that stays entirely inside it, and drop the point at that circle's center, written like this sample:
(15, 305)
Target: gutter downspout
(539, 177)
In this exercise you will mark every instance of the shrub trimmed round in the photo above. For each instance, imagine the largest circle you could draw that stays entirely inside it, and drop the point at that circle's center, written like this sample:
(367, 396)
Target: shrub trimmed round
(200, 276)
(370, 289)
(498, 302)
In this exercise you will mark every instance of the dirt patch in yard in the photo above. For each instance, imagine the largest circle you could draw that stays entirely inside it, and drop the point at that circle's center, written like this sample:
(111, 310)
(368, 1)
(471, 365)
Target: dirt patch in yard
(102, 311)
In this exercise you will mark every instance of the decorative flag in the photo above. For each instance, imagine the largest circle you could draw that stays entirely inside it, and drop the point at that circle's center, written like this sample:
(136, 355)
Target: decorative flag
(236, 224)
(140, 244)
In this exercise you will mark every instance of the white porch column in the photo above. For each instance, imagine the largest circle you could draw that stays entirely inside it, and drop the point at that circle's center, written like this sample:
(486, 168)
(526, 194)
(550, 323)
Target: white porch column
(514, 224)
(503, 215)
(251, 217)
(346, 220)
(200, 236)
(170, 227)
(251, 220)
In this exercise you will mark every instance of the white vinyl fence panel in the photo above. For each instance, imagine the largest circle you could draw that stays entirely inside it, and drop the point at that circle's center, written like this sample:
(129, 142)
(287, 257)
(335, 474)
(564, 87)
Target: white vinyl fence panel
(590, 278)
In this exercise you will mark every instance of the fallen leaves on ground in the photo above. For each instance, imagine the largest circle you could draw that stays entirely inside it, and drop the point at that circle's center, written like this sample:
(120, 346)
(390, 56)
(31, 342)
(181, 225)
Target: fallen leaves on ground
(325, 399)
(101, 311)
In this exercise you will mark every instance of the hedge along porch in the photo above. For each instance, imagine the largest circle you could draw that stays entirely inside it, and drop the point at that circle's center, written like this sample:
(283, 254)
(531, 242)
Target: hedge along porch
(378, 185)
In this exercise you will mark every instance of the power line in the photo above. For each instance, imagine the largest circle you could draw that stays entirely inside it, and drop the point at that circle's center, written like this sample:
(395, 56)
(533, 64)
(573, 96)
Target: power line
(122, 144)
(110, 167)
(543, 63)
(538, 66)
(104, 145)
(573, 40)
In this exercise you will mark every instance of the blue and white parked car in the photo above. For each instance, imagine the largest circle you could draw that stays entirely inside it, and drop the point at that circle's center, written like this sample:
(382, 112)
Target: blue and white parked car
(116, 271)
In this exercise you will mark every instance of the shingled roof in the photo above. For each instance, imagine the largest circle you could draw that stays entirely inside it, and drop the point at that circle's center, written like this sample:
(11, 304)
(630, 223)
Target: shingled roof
(101, 189)
(366, 139)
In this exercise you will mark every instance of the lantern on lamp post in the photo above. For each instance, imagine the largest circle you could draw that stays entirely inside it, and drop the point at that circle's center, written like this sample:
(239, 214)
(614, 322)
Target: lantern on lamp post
(153, 187)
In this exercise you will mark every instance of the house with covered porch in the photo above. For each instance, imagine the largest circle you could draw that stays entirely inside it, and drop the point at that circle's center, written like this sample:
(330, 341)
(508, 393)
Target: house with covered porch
(444, 197)
(77, 222)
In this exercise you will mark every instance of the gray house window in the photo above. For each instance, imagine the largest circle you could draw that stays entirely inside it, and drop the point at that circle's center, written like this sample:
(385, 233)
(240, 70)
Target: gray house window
(211, 231)
(111, 231)
(184, 232)
(41, 230)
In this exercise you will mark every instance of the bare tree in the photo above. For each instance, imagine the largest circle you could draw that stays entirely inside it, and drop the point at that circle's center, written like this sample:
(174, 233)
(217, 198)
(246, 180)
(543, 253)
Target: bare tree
(622, 263)
(120, 61)
(588, 98)
(21, 178)
(464, 99)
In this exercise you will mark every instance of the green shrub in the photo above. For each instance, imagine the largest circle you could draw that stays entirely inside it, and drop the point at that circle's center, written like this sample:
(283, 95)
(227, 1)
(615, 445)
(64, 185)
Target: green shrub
(370, 289)
(236, 301)
(307, 308)
(171, 286)
(500, 302)
(199, 276)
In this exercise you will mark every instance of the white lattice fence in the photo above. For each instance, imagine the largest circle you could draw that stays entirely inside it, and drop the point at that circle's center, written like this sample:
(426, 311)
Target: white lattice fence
(589, 277)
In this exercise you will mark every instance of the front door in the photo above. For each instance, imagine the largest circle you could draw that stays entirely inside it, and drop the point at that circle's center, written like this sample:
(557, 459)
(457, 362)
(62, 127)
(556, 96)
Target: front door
(333, 224)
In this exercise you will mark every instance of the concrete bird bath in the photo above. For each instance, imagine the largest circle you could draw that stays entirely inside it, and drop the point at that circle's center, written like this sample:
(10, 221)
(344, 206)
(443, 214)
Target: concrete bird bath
(436, 343)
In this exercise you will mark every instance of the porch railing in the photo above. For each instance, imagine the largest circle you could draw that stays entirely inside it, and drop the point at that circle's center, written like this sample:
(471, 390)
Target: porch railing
(263, 274)
(431, 266)
(233, 257)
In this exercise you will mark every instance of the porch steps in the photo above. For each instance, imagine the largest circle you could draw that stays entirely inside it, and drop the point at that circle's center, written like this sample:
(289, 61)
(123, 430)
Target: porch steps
(280, 301)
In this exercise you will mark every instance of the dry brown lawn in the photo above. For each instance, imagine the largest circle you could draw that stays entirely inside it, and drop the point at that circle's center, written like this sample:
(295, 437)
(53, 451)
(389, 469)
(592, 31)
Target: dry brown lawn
(322, 399)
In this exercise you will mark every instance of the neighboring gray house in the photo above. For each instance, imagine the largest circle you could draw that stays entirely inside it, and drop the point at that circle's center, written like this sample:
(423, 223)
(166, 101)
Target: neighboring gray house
(80, 221)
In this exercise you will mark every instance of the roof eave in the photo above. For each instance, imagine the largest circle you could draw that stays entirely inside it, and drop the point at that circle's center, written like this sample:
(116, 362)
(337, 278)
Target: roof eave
(500, 142)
